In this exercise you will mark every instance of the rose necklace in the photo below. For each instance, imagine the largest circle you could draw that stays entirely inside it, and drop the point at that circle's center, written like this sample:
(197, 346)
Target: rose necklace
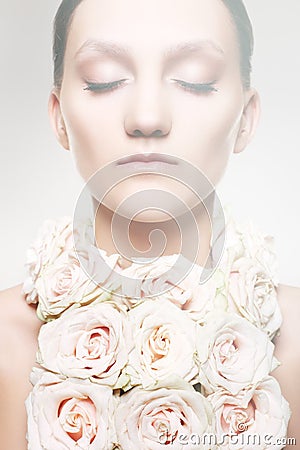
(143, 360)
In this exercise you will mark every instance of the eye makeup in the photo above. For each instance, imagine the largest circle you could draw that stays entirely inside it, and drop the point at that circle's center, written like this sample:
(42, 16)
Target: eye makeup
(193, 70)
(197, 88)
(103, 87)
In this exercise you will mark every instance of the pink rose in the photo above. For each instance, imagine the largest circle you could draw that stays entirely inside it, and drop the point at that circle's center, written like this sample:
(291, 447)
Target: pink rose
(54, 240)
(87, 342)
(165, 417)
(165, 343)
(69, 414)
(233, 353)
(258, 410)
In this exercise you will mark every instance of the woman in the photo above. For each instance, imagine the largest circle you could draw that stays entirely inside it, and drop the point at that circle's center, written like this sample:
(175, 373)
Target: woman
(176, 84)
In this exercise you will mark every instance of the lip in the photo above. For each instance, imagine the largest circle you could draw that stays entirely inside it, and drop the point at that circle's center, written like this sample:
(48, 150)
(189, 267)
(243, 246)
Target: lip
(148, 159)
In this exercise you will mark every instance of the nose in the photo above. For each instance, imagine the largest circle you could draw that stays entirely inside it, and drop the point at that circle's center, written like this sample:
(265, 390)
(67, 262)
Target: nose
(148, 115)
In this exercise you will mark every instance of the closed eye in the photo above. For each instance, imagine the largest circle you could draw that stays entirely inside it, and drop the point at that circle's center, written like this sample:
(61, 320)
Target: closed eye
(198, 88)
(103, 87)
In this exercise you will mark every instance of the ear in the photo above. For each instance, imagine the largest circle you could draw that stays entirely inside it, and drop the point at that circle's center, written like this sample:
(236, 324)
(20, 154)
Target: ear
(56, 119)
(249, 120)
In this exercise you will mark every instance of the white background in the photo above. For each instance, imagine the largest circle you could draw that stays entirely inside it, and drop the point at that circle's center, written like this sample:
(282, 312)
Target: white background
(38, 180)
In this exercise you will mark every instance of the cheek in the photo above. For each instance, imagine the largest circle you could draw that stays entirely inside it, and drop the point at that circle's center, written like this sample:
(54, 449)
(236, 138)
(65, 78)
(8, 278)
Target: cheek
(90, 125)
(210, 127)
(214, 120)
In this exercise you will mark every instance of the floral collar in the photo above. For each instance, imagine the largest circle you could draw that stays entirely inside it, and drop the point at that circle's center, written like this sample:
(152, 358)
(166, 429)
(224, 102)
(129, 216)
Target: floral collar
(187, 369)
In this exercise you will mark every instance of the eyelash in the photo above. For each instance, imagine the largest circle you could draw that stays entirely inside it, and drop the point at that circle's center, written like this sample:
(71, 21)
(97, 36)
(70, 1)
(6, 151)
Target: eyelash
(198, 88)
(103, 87)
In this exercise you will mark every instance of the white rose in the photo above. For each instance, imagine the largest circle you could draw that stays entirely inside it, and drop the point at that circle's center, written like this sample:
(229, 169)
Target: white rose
(258, 410)
(253, 295)
(233, 353)
(62, 285)
(206, 297)
(250, 269)
(165, 343)
(165, 417)
(176, 281)
(152, 279)
(87, 342)
(246, 240)
(69, 414)
(54, 240)
(261, 248)
(103, 269)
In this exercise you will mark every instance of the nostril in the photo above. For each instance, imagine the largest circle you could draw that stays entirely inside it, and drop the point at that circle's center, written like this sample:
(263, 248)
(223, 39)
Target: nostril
(137, 133)
(155, 133)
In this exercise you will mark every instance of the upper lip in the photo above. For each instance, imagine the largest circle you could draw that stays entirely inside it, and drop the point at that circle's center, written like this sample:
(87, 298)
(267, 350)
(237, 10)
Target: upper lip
(141, 157)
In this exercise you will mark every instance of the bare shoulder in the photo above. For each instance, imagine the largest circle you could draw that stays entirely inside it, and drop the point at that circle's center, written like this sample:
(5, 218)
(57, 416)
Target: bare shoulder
(16, 310)
(289, 301)
(18, 322)
(288, 294)
(19, 327)
(287, 350)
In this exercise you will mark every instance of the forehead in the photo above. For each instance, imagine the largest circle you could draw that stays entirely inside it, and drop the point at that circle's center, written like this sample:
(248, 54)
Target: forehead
(145, 27)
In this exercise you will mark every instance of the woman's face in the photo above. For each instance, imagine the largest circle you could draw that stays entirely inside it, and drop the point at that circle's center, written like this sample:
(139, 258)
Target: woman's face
(159, 76)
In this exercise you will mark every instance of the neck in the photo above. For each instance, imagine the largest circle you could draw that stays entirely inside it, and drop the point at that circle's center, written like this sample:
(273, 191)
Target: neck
(114, 234)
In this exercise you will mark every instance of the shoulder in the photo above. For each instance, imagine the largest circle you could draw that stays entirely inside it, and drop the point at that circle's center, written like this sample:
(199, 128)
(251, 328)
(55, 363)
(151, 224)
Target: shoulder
(17, 316)
(289, 293)
(289, 302)
(287, 351)
(19, 327)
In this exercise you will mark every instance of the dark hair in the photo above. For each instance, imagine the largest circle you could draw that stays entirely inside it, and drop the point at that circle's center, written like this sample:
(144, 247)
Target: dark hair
(236, 8)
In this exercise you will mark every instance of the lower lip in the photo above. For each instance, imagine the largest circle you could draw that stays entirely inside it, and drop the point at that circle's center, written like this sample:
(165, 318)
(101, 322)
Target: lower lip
(148, 166)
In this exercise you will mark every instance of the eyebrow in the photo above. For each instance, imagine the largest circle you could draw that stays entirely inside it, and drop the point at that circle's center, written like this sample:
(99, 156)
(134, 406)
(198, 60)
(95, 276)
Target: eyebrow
(193, 46)
(103, 47)
(114, 49)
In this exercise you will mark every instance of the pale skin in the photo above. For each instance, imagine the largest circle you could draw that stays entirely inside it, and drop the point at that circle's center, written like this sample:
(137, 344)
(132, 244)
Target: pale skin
(205, 128)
